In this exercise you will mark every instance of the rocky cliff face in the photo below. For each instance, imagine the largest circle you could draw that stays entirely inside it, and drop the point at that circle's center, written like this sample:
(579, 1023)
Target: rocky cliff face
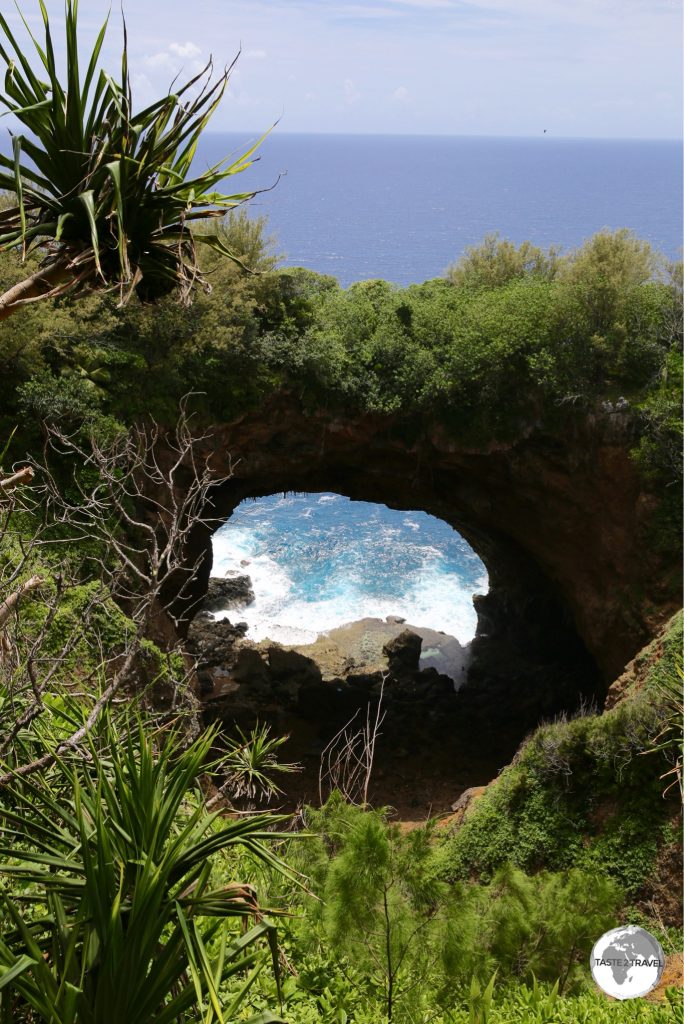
(427, 749)
(560, 518)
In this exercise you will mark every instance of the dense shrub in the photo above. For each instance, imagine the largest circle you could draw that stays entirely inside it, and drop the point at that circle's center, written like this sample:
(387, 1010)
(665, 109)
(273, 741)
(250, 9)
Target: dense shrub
(527, 334)
(578, 793)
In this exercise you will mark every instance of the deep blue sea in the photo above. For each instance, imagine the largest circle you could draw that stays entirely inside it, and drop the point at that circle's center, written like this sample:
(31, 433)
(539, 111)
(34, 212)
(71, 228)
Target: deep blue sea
(402, 208)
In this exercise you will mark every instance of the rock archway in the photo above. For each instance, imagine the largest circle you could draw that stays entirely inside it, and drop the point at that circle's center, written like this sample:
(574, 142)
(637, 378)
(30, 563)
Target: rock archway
(560, 519)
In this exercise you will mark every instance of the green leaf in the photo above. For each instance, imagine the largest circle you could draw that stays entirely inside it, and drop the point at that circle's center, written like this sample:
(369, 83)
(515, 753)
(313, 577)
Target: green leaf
(109, 190)
(87, 200)
(9, 974)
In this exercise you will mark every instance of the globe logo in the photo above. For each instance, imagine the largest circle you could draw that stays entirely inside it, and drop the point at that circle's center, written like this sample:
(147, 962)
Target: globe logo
(627, 962)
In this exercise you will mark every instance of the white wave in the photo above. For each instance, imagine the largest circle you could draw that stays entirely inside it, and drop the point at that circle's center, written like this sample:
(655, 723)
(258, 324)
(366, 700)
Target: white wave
(435, 601)
(230, 547)
(435, 596)
(271, 585)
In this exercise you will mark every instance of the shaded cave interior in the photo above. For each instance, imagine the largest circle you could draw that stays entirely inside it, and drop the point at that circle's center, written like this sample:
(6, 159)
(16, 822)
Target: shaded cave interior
(528, 663)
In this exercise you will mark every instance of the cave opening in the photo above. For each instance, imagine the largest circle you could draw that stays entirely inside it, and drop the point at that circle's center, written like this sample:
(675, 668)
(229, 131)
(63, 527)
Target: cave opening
(458, 700)
(315, 563)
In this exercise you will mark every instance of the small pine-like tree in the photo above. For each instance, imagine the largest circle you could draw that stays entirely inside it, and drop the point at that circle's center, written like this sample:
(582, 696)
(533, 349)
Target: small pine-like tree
(543, 926)
(384, 907)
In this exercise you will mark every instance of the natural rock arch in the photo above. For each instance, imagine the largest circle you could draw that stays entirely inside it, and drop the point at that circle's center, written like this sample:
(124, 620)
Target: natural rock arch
(559, 518)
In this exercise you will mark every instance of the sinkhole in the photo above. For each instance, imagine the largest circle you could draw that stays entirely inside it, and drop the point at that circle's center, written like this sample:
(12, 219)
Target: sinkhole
(336, 607)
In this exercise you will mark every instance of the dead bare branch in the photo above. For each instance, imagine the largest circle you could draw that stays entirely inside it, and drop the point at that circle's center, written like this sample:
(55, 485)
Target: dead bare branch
(11, 603)
(136, 502)
(22, 476)
(347, 760)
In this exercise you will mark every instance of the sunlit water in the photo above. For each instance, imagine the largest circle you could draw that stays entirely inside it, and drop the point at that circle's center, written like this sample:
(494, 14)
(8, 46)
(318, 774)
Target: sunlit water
(403, 207)
(318, 561)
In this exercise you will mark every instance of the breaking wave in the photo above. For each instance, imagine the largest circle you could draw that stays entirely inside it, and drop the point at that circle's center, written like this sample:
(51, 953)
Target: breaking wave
(318, 561)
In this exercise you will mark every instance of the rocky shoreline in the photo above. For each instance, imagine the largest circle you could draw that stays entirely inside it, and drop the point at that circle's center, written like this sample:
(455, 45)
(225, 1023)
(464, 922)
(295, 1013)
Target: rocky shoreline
(308, 692)
(444, 731)
(359, 653)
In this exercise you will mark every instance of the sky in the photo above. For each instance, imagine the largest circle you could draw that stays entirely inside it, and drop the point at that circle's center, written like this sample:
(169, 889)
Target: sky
(575, 68)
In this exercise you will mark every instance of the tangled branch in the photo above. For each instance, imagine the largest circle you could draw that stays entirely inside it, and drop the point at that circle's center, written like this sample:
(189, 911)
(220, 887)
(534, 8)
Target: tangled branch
(131, 506)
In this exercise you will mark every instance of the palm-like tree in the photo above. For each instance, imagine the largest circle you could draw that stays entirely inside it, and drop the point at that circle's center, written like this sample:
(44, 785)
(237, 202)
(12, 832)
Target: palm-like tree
(106, 195)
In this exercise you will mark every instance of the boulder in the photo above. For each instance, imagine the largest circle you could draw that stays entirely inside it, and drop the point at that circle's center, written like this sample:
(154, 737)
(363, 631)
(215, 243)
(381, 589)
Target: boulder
(226, 592)
(403, 653)
(468, 797)
(214, 641)
(250, 665)
(292, 665)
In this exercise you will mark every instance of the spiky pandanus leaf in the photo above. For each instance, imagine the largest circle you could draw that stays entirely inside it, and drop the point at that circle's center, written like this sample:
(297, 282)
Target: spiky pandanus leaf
(106, 889)
(107, 195)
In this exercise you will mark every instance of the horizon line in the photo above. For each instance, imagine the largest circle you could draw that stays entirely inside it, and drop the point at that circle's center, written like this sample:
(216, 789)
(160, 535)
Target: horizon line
(453, 135)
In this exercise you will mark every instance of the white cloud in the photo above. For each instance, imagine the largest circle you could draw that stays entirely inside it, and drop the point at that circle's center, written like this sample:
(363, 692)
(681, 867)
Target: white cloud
(185, 49)
(401, 94)
(159, 60)
(176, 58)
(253, 55)
(351, 93)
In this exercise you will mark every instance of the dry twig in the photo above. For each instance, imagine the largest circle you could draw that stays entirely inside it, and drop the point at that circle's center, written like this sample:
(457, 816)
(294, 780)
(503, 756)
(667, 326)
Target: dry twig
(136, 520)
(347, 760)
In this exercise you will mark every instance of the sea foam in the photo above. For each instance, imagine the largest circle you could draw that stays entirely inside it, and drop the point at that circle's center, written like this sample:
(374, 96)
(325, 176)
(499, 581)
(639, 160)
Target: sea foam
(319, 561)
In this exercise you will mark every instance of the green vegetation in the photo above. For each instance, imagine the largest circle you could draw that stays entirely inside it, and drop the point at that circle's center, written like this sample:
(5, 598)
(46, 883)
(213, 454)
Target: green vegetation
(578, 794)
(131, 889)
(486, 354)
(496, 262)
(382, 937)
(251, 764)
(110, 906)
(488, 923)
(416, 941)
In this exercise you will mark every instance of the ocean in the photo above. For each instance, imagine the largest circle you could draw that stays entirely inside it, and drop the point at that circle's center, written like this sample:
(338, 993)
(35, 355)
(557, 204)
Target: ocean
(320, 560)
(403, 208)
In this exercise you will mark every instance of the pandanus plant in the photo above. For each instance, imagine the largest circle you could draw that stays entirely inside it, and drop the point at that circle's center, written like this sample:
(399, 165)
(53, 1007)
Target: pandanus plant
(113, 903)
(107, 196)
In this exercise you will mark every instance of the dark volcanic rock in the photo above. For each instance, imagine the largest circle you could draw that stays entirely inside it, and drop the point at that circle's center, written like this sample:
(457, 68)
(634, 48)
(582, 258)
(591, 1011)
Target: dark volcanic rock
(292, 665)
(225, 592)
(213, 641)
(403, 653)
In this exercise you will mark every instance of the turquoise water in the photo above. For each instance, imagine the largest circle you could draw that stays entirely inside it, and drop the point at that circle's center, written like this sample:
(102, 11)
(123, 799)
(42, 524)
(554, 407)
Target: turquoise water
(320, 560)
